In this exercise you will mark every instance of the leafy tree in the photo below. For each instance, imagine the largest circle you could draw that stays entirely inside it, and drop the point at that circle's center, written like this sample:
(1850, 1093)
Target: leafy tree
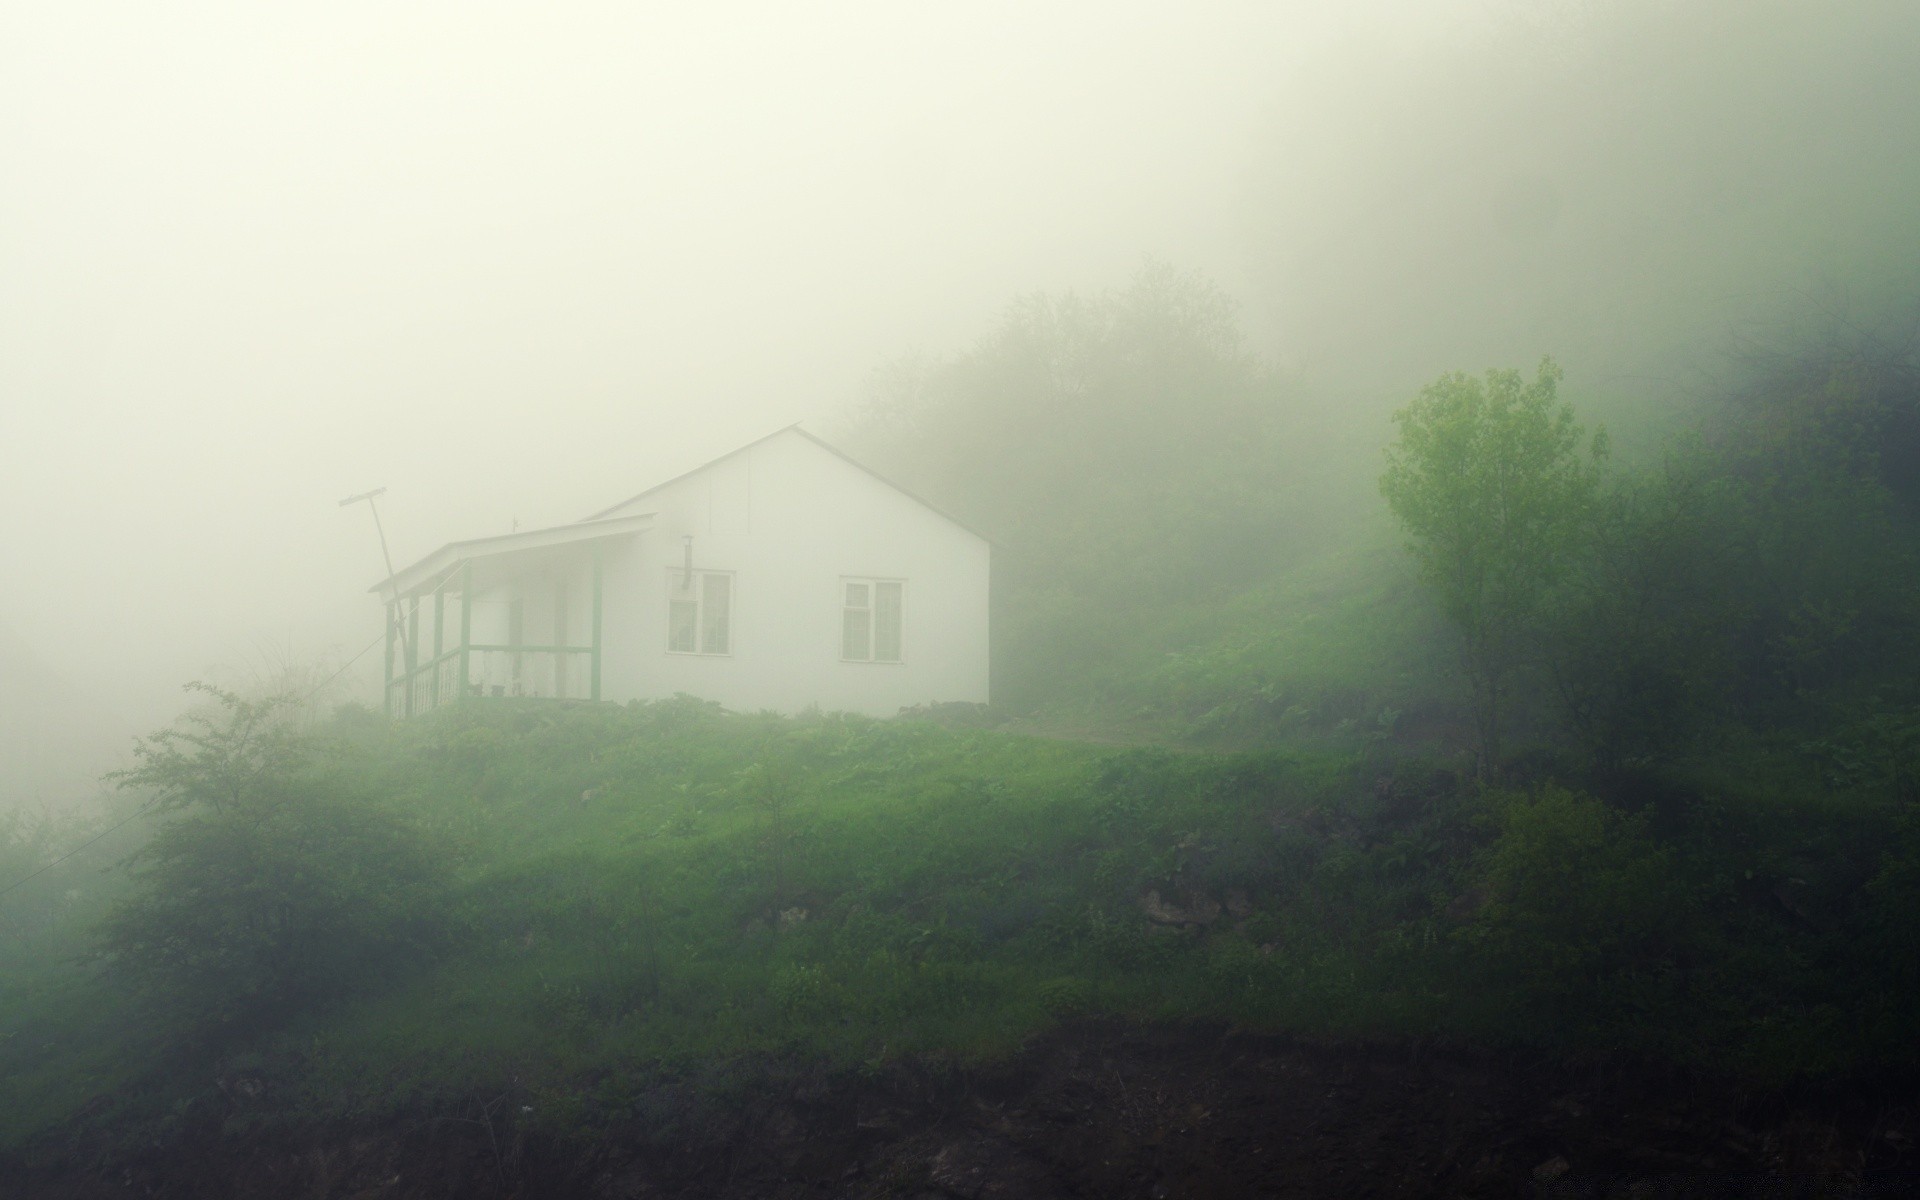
(1104, 441)
(1639, 643)
(271, 882)
(1827, 551)
(1128, 455)
(1489, 478)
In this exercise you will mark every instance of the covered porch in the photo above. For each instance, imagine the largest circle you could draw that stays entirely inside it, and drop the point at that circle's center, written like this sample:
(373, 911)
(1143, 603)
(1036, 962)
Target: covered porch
(517, 615)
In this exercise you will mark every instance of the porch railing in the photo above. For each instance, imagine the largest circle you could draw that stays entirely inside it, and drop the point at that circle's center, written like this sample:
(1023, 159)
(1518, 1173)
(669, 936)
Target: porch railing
(547, 672)
(422, 682)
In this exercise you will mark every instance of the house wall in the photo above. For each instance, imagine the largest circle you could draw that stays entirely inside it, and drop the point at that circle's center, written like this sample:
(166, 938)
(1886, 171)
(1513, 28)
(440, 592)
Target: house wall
(791, 521)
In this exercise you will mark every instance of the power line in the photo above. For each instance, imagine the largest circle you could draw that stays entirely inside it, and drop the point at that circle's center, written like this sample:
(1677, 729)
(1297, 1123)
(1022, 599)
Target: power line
(26, 879)
(147, 807)
(322, 685)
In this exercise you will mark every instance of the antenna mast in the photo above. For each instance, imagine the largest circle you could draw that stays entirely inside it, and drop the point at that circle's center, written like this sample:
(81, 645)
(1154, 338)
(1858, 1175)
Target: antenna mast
(392, 588)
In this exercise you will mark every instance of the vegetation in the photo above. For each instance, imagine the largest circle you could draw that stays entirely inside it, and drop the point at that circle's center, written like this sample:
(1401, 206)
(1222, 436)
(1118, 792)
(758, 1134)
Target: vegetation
(273, 882)
(1672, 812)
(1489, 480)
(639, 898)
(1129, 457)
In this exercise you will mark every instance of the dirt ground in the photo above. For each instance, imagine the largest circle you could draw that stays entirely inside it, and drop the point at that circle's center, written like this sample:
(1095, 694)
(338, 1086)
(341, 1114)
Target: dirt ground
(1095, 1111)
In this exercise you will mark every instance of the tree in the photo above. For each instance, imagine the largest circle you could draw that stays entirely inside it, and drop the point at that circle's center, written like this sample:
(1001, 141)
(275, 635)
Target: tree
(1104, 441)
(1489, 478)
(1641, 641)
(1129, 456)
(271, 882)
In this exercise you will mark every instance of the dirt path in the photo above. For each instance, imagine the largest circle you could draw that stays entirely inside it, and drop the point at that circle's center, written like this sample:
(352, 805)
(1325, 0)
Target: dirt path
(1099, 1112)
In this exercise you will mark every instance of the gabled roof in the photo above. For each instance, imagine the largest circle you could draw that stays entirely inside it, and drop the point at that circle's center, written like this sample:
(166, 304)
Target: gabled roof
(829, 447)
(424, 574)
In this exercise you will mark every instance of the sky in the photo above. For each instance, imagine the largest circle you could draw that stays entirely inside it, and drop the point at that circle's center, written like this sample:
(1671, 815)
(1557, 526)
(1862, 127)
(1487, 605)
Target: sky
(515, 262)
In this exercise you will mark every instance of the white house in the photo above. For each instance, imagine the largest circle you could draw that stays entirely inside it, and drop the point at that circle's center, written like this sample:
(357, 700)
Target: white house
(781, 576)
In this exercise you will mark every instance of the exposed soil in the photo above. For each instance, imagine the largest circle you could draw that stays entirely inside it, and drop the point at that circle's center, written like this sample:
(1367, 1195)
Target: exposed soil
(1095, 1111)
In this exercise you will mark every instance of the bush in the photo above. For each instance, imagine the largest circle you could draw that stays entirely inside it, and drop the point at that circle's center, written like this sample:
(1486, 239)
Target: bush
(1587, 916)
(270, 884)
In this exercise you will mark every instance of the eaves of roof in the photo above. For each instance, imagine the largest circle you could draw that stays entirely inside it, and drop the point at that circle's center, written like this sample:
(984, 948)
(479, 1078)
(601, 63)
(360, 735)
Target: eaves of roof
(413, 578)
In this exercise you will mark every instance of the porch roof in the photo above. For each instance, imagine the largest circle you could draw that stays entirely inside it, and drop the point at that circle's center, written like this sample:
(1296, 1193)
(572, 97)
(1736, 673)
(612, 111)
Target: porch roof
(426, 574)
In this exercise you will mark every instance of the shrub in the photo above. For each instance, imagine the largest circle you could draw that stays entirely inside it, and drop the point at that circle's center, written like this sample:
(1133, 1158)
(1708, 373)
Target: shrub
(1587, 915)
(270, 883)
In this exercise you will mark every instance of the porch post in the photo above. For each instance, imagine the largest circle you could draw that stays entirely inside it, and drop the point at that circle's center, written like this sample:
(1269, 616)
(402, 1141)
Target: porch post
(596, 621)
(413, 650)
(386, 690)
(466, 623)
(439, 623)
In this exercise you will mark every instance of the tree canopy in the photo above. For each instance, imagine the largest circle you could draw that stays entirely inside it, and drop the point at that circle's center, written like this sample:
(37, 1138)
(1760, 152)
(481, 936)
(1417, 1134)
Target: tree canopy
(1129, 455)
(1495, 481)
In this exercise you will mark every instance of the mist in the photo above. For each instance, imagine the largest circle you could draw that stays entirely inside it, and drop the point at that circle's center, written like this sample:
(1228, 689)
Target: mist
(1639, 189)
(1027, 600)
(516, 264)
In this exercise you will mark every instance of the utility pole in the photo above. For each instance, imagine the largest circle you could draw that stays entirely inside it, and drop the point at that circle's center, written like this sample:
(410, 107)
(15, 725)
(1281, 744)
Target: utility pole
(392, 588)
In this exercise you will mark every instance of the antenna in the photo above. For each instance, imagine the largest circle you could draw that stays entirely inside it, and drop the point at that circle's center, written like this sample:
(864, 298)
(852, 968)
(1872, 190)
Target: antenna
(380, 529)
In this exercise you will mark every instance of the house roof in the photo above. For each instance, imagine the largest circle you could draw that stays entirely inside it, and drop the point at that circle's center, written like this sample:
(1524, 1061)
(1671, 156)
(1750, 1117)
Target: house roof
(829, 447)
(425, 574)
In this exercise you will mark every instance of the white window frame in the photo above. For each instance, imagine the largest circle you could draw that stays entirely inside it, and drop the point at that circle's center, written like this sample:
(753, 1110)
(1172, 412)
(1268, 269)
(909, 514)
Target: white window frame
(871, 609)
(677, 595)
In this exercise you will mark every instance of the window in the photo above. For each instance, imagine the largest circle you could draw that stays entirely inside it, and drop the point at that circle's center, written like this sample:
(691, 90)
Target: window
(870, 619)
(700, 612)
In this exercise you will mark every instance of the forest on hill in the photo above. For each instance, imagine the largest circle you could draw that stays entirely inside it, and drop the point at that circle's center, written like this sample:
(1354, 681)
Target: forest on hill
(1454, 730)
(1187, 536)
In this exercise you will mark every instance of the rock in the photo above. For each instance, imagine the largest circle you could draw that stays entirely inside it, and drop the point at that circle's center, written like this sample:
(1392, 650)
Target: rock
(989, 1169)
(874, 1114)
(1201, 909)
(791, 917)
(813, 1090)
(1551, 1169)
(1239, 904)
(785, 1125)
(1792, 895)
(1466, 906)
(1158, 911)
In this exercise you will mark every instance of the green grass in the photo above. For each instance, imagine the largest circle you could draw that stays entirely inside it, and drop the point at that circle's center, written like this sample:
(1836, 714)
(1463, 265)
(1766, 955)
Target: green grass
(1341, 650)
(668, 892)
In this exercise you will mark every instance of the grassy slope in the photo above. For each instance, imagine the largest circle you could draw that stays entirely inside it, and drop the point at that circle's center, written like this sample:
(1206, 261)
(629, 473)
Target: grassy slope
(671, 892)
(1342, 649)
(837, 890)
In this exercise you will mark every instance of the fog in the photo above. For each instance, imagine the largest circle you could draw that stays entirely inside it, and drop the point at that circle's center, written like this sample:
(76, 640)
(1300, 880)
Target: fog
(1640, 189)
(515, 263)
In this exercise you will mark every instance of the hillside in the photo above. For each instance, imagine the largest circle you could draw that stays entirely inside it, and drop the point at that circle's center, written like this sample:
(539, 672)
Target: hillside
(1244, 829)
(646, 916)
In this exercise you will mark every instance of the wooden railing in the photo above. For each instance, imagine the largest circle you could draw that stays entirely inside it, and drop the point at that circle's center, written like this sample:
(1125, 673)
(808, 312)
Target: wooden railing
(492, 670)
